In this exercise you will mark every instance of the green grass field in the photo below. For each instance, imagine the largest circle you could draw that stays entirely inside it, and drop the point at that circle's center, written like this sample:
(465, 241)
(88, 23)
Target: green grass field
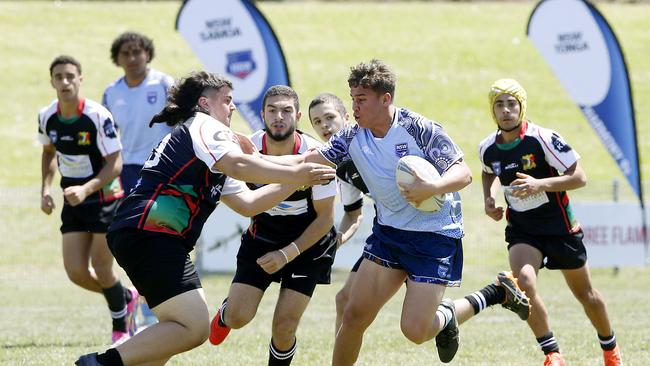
(446, 55)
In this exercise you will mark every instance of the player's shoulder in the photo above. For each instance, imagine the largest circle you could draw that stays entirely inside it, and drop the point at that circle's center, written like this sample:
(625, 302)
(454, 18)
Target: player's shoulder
(48, 110)
(488, 141)
(91, 106)
(256, 137)
(308, 141)
(159, 77)
(116, 84)
(416, 123)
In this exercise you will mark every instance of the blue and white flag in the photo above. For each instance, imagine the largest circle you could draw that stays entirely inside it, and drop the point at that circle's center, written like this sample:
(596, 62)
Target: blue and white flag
(578, 43)
(232, 38)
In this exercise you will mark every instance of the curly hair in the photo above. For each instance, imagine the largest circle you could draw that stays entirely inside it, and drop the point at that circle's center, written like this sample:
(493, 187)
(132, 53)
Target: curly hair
(140, 39)
(374, 75)
(184, 95)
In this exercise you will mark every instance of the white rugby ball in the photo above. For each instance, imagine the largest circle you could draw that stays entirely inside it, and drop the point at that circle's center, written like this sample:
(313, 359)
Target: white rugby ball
(404, 174)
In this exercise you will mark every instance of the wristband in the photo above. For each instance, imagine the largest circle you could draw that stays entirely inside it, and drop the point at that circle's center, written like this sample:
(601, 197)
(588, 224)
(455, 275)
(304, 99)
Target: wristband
(296, 246)
(285, 255)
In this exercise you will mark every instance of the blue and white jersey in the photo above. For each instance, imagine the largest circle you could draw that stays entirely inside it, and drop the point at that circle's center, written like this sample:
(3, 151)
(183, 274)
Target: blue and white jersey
(132, 110)
(376, 159)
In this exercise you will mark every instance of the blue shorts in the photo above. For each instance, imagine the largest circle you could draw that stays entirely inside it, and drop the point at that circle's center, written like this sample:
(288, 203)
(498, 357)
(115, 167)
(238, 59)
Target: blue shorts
(425, 256)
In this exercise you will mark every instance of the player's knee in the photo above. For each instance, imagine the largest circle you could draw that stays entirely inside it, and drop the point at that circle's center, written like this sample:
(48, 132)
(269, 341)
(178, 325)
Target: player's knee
(416, 332)
(237, 319)
(78, 275)
(527, 282)
(285, 328)
(589, 297)
(354, 316)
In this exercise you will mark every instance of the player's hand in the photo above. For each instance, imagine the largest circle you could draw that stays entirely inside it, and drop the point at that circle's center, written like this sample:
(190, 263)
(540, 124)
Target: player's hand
(312, 174)
(272, 262)
(525, 185)
(47, 204)
(74, 195)
(496, 213)
(418, 191)
(247, 146)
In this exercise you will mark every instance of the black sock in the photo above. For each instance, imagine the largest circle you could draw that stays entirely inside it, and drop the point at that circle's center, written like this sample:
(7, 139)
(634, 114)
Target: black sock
(116, 300)
(607, 343)
(281, 358)
(548, 343)
(486, 297)
(110, 358)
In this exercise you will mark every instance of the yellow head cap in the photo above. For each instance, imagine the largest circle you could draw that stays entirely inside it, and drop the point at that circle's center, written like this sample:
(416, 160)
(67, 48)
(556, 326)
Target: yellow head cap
(508, 86)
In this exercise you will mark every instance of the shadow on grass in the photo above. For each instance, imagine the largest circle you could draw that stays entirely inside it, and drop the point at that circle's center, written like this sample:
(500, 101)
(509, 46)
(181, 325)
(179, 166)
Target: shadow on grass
(49, 345)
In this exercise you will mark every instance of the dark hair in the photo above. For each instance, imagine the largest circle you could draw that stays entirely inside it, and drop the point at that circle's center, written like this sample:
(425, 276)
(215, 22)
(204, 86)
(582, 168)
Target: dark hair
(140, 39)
(281, 90)
(64, 60)
(328, 98)
(375, 75)
(184, 96)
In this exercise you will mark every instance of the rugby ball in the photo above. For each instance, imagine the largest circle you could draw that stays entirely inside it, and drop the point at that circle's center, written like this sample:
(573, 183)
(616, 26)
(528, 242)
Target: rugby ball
(404, 174)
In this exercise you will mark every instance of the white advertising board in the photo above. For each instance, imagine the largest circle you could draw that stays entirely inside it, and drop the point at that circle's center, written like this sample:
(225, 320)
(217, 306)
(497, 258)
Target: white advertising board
(613, 233)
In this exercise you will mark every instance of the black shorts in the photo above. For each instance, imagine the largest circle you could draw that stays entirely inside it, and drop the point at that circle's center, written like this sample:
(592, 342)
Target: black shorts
(90, 217)
(559, 251)
(158, 264)
(312, 267)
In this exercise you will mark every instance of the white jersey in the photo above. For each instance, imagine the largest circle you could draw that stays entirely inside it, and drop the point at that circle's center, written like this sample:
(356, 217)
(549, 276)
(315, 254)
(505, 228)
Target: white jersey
(376, 159)
(133, 108)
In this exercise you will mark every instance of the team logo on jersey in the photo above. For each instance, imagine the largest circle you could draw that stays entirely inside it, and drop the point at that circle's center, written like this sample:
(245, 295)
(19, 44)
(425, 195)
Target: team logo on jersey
(152, 97)
(240, 64)
(528, 162)
(559, 144)
(401, 149)
(53, 136)
(83, 138)
(496, 167)
(109, 128)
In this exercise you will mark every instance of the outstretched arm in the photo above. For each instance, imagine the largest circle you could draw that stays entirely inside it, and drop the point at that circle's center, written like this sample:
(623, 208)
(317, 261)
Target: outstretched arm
(250, 203)
(253, 169)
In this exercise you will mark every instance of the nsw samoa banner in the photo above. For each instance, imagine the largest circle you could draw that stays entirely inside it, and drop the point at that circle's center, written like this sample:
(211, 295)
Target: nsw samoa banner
(232, 38)
(581, 48)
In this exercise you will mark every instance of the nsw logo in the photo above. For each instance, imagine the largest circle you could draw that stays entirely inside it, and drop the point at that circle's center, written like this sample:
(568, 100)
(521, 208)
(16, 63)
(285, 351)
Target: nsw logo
(240, 64)
(401, 149)
(496, 167)
(53, 136)
(152, 97)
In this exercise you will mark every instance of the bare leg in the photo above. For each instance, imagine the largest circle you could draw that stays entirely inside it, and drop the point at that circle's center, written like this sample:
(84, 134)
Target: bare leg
(579, 281)
(372, 288)
(76, 250)
(184, 324)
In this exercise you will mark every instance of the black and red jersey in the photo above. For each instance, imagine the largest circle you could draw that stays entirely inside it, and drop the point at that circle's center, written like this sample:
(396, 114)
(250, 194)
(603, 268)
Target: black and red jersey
(179, 187)
(540, 153)
(81, 143)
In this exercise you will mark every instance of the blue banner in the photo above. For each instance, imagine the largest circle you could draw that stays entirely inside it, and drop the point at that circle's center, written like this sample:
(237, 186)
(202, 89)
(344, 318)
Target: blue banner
(232, 38)
(581, 48)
